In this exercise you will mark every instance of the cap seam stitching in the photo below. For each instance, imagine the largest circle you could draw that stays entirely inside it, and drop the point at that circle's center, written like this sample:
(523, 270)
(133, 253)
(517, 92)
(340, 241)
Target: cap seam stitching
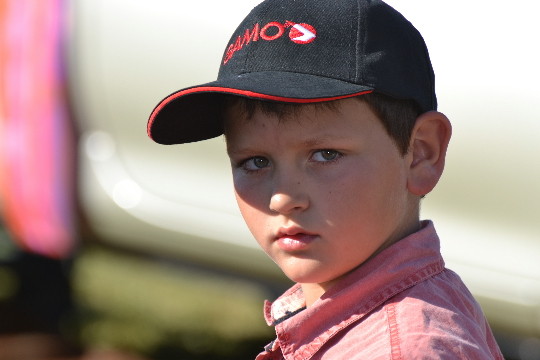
(357, 75)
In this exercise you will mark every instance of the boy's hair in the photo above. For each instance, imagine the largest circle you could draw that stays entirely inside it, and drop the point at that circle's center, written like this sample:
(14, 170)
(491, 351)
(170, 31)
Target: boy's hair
(397, 116)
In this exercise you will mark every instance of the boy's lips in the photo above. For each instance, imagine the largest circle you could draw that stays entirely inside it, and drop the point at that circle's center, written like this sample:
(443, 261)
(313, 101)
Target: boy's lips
(294, 239)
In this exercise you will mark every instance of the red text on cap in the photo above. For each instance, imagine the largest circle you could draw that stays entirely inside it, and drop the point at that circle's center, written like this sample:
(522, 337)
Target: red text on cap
(299, 34)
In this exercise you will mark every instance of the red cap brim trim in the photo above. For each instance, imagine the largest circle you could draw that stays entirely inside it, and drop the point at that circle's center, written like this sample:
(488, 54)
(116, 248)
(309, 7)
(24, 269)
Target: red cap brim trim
(245, 93)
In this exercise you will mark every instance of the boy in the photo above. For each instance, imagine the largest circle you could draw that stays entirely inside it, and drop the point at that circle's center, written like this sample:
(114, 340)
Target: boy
(329, 115)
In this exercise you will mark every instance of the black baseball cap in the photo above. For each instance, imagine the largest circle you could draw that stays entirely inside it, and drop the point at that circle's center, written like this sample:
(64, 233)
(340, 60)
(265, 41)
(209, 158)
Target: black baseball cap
(304, 51)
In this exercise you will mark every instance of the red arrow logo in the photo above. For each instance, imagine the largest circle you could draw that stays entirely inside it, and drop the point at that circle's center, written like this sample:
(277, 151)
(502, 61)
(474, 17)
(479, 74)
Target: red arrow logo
(302, 33)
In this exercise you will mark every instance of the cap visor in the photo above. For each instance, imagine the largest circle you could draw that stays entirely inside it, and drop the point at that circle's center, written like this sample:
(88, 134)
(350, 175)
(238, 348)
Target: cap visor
(194, 114)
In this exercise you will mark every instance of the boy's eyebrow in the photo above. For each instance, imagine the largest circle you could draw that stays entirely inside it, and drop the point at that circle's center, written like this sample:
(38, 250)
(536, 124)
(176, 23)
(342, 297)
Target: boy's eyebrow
(240, 151)
(315, 141)
(321, 140)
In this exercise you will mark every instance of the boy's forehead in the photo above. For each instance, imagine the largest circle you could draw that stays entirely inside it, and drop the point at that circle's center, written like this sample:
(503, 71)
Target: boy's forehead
(242, 115)
(242, 109)
(312, 124)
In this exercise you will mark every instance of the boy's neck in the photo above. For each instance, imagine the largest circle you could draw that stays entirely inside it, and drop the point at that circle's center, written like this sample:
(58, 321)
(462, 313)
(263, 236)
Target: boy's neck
(313, 291)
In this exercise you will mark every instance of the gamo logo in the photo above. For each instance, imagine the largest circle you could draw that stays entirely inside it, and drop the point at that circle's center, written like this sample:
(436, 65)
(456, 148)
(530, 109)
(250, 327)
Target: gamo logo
(299, 33)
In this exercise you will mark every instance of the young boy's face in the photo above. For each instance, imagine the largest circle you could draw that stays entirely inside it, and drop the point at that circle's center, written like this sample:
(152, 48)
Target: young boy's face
(321, 190)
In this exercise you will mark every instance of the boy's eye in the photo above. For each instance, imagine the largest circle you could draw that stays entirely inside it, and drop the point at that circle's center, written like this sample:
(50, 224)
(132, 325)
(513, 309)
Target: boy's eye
(326, 155)
(255, 163)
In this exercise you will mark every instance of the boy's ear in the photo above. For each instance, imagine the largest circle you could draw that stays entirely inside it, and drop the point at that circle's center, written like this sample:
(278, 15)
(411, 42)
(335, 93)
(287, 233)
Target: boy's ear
(427, 151)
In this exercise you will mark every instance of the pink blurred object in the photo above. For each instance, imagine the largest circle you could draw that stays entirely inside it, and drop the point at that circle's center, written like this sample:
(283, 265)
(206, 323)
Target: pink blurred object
(36, 138)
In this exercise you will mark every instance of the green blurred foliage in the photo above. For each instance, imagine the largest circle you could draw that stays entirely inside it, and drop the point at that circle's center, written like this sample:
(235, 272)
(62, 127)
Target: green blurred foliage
(163, 311)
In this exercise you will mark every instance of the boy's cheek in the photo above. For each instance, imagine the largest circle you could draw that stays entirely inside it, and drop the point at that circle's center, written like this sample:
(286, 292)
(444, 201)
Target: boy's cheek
(249, 199)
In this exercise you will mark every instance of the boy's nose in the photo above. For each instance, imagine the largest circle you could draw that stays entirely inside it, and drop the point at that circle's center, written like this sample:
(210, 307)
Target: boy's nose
(288, 202)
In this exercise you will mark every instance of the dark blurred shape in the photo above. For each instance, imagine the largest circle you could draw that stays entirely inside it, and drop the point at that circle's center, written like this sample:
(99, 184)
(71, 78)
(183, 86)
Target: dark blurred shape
(41, 297)
(35, 305)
